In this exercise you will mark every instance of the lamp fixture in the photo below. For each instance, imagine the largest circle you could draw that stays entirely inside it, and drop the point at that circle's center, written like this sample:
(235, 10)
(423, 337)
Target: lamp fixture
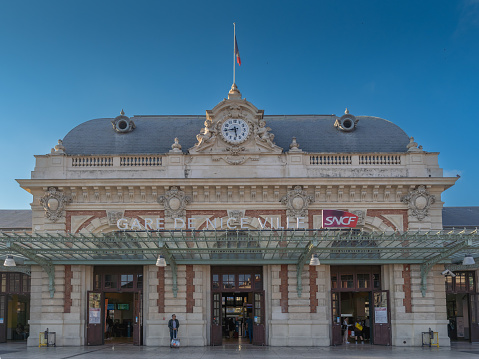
(9, 262)
(468, 260)
(161, 262)
(314, 260)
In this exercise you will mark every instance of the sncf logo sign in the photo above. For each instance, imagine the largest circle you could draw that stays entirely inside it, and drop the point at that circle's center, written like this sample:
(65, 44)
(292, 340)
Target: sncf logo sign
(334, 219)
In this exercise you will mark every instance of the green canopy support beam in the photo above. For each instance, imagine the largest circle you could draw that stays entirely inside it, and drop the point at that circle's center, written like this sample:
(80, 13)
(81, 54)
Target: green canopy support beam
(46, 265)
(174, 268)
(303, 258)
(18, 269)
(426, 266)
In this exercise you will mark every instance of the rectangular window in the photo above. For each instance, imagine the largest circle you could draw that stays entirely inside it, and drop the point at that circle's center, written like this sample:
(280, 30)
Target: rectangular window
(229, 281)
(15, 280)
(216, 281)
(244, 281)
(449, 284)
(111, 281)
(126, 280)
(334, 282)
(26, 284)
(258, 281)
(4, 282)
(139, 281)
(363, 281)
(347, 281)
(460, 282)
(97, 282)
(377, 281)
(470, 277)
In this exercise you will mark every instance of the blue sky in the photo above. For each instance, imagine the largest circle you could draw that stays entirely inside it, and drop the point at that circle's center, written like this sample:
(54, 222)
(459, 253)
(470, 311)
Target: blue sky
(415, 63)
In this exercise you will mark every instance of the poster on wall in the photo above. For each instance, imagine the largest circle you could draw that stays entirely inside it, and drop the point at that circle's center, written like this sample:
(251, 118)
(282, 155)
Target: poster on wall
(380, 315)
(94, 316)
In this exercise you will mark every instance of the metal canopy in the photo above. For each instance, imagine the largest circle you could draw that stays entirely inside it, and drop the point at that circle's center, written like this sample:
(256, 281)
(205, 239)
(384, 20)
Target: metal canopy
(242, 247)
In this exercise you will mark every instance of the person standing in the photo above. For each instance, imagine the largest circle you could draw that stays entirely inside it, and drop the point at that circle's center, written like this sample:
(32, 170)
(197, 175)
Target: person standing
(249, 325)
(367, 329)
(231, 327)
(358, 331)
(173, 325)
(345, 330)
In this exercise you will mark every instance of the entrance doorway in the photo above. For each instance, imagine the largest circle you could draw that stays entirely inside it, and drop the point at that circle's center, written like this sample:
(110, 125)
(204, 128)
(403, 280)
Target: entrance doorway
(237, 306)
(14, 306)
(462, 303)
(360, 309)
(115, 312)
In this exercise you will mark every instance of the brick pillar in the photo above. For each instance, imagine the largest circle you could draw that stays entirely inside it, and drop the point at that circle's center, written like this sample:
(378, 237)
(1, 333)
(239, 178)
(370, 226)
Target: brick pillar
(283, 288)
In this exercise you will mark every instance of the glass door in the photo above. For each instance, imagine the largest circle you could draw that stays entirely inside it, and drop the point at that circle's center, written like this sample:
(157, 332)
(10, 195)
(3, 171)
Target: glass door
(216, 321)
(337, 338)
(94, 315)
(474, 316)
(381, 318)
(3, 318)
(258, 319)
(137, 318)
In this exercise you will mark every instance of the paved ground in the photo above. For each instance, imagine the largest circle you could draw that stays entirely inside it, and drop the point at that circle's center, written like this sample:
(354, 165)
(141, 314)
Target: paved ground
(20, 351)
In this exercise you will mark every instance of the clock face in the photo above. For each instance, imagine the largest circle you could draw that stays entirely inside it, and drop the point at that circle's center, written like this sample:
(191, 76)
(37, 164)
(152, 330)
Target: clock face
(235, 130)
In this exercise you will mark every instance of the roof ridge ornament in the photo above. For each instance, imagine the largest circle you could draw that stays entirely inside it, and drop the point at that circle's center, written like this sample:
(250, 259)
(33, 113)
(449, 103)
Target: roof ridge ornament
(234, 93)
(176, 147)
(294, 146)
(59, 148)
(412, 146)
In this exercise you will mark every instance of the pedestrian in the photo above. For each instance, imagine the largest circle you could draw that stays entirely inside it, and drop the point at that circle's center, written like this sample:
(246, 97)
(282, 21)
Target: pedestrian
(358, 331)
(231, 327)
(249, 325)
(173, 325)
(367, 329)
(345, 330)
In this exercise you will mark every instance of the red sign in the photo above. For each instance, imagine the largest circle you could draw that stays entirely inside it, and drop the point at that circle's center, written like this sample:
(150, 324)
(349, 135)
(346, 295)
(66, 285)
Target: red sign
(339, 219)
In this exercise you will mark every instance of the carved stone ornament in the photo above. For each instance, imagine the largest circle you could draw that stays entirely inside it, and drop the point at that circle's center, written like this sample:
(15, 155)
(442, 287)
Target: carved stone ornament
(236, 214)
(361, 216)
(176, 147)
(53, 203)
(419, 201)
(175, 202)
(297, 202)
(263, 136)
(114, 216)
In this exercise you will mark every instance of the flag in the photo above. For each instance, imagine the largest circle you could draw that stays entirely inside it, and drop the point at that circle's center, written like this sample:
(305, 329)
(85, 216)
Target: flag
(238, 59)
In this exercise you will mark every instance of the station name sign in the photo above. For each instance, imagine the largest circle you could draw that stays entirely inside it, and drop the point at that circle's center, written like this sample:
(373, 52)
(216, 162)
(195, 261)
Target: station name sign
(330, 219)
(216, 223)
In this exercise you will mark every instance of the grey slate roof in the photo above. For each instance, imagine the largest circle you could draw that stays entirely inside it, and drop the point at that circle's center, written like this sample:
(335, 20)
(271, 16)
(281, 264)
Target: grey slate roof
(460, 217)
(15, 219)
(314, 133)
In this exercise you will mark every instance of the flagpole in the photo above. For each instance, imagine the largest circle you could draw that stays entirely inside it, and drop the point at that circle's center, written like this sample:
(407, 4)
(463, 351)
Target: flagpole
(234, 54)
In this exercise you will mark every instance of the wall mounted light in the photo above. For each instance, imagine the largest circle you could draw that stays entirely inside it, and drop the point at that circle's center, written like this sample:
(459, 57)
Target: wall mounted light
(9, 262)
(468, 260)
(161, 262)
(314, 260)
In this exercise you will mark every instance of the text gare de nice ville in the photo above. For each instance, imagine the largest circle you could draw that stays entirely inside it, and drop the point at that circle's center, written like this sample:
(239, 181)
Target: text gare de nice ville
(154, 224)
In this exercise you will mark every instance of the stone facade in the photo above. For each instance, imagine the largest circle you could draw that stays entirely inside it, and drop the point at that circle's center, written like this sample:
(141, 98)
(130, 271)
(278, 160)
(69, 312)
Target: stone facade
(220, 178)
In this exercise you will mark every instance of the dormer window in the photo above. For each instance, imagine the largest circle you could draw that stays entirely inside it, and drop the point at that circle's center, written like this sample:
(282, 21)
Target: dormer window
(123, 124)
(347, 122)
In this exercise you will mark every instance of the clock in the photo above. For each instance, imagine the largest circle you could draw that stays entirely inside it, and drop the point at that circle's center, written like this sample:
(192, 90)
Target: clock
(235, 130)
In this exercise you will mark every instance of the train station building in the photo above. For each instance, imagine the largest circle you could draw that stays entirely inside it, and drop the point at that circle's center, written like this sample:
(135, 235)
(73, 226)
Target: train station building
(294, 223)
